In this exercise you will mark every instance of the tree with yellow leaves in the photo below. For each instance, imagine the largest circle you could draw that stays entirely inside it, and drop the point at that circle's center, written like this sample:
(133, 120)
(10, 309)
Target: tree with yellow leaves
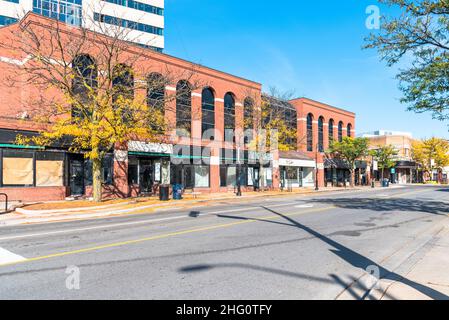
(96, 92)
(432, 154)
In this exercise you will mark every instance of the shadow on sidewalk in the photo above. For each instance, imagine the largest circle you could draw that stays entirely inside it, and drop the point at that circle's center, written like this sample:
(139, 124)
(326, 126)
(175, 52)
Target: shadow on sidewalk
(386, 205)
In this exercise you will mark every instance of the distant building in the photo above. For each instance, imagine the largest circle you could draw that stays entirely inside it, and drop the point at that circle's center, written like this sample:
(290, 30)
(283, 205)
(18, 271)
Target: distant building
(143, 18)
(405, 169)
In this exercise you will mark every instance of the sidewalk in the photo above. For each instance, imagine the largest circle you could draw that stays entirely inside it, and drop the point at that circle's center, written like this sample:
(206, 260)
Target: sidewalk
(26, 216)
(427, 280)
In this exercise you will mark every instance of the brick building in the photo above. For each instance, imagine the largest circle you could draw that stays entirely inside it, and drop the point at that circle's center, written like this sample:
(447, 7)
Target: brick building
(32, 173)
(318, 125)
(405, 170)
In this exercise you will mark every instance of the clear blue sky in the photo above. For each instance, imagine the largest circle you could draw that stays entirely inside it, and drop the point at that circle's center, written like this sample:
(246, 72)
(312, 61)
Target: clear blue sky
(312, 48)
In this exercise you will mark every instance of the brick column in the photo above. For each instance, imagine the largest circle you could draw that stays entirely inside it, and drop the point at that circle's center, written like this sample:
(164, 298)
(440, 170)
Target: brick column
(219, 119)
(196, 118)
(170, 109)
(215, 169)
(121, 187)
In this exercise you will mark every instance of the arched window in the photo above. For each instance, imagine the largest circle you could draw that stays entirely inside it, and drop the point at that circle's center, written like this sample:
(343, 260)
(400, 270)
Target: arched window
(320, 134)
(349, 130)
(123, 84)
(208, 111)
(184, 108)
(156, 91)
(331, 130)
(309, 132)
(248, 119)
(84, 84)
(340, 131)
(229, 116)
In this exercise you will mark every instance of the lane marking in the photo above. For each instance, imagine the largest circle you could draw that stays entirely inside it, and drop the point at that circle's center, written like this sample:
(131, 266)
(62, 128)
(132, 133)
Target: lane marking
(304, 206)
(163, 236)
(131, 223)
(7, 257)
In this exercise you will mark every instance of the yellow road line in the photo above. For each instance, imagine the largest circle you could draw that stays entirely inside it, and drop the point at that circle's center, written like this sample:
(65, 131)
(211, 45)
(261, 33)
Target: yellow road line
(162, 236)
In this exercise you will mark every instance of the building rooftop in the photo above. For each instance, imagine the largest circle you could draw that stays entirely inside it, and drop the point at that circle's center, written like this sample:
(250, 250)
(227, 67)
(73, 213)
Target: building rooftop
(380, 133)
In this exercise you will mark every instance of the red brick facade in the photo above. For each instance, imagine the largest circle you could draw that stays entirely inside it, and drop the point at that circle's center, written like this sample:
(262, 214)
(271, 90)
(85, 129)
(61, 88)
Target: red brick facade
(15, 104)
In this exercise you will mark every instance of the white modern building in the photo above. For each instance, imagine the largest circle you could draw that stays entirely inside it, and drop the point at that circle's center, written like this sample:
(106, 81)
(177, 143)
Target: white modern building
(144, 19)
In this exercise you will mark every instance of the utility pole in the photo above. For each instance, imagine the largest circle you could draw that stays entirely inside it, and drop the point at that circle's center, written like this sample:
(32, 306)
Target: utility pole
(239, 183)
(316, 170)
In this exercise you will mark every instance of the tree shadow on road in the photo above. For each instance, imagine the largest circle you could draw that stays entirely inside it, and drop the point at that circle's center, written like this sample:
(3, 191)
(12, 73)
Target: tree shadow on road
(387, 205)
(353, 258)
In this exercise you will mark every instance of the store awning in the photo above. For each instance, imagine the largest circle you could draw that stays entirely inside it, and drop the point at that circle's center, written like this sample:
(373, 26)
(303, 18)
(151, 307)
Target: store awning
(406, 165)
(295, 159)
(335, 164)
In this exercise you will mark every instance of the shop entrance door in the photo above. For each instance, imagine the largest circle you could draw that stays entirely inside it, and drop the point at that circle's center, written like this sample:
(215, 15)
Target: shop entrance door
(76, 177)
(146, 179)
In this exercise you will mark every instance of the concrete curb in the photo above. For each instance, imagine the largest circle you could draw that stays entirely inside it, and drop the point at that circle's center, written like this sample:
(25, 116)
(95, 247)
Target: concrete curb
(189, 201)
(103, 211)
(39, 212)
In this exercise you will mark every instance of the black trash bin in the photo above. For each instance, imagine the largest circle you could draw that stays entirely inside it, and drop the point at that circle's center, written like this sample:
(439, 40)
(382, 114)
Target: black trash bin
(164, 193)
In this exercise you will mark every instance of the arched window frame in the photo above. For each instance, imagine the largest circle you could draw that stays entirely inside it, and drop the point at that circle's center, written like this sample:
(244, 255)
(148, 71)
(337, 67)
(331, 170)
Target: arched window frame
(207, 111)
(349, 130)
(309, 126)
(340, 131)
(184, 108)
(331, 130)
(321, 134)
(229, 116)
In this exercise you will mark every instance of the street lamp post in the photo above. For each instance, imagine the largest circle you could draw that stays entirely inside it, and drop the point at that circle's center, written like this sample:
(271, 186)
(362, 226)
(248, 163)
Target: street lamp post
(372, 172)
(316, 170)
(239, 184)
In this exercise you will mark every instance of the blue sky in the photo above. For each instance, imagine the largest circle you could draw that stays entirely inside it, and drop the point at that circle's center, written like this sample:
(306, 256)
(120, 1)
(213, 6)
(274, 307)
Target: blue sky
(312, 48)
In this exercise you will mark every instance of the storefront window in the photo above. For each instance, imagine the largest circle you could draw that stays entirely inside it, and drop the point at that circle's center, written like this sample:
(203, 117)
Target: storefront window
(133, 171)
(107, 171)
(49, 169)
(201, 176)
(17, 168)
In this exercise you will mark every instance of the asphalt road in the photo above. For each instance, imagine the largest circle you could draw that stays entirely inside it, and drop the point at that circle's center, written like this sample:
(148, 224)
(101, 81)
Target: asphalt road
(323, 246)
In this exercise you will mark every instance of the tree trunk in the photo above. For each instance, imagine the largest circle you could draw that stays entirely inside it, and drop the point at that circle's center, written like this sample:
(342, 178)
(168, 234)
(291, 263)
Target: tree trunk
(261, 177)
(352, 177)
(96, 180)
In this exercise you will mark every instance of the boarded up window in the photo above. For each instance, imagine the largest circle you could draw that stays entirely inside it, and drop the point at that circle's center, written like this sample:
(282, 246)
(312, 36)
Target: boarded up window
(17, 171)
(49, 173)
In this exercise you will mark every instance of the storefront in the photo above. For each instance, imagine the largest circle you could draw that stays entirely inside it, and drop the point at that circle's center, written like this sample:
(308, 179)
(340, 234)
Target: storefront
(405, 172)
(296, 170)
(249, 167)
(148, 166)
(336, 172)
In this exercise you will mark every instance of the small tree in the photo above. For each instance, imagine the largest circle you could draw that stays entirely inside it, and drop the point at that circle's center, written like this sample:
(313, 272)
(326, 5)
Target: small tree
(431, 153)
(349, 149)
(96, 91)
(385, 156)
(274, 126)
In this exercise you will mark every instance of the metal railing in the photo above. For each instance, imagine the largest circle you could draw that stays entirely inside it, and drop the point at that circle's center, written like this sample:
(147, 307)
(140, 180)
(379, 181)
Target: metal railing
(6, 202)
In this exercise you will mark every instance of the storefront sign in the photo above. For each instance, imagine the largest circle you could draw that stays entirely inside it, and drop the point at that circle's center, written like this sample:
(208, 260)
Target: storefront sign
(296, 163)
(375, 166)
(157, 171)
(138, 146)
(250, 176)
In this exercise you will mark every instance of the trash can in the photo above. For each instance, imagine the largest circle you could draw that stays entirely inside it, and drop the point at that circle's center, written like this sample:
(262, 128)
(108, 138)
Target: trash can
(177, 191)
(164, 193)
(385, 183)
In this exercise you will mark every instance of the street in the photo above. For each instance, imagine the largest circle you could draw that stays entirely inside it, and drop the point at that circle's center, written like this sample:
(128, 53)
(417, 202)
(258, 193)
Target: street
(318, 246)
